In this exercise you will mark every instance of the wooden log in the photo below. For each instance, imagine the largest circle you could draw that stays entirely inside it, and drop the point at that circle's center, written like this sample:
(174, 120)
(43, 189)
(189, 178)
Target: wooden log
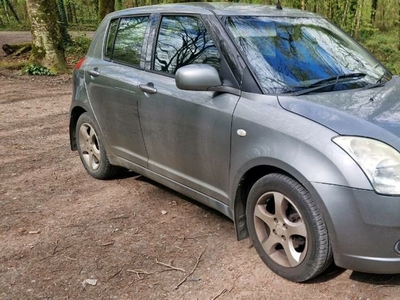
(16, 49)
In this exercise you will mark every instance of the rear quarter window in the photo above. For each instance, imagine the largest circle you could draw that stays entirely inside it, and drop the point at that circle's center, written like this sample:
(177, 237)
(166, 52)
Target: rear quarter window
(112, 31)
(125, 40)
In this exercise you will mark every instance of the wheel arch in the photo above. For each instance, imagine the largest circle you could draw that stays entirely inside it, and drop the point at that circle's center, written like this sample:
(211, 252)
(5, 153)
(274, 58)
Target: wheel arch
(256, 171)
(76, 112)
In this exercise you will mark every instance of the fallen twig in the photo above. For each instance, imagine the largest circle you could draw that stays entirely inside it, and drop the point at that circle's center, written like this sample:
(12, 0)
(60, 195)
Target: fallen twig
(107, 244)
(225, 290)
(26, 211)
(46, 257)
(111, 277)
(197, 236)
(138, 272)
(169, 266)
(233, 284)
(120, 217)
(137, 229)
(34, 232)
(55, 248)
(191, 272)
(219, 294)
(70, 258)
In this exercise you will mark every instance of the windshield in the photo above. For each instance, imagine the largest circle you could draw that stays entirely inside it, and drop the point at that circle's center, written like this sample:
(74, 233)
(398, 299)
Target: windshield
(293, 54)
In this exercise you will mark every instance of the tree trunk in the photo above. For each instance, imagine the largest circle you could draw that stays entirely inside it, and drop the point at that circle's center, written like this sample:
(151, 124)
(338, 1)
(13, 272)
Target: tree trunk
(105, 7)
(6, 12)
(374, 7)
(398, 28)
(345, 13)
(358, 19)
(63, 23)
(96, 6)
(75, 17)
(63, 13)
(8, 3)
(47, 46)
(69, 12)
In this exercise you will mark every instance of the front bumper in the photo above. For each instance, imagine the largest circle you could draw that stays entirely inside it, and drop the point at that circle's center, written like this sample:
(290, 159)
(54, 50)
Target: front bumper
(364, 228)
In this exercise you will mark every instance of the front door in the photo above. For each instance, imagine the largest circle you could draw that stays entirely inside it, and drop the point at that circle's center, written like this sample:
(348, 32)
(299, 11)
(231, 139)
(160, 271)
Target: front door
(187, 134)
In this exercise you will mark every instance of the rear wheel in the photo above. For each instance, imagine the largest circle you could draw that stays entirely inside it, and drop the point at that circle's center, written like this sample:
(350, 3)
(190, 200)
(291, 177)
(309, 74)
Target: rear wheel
(91, 151)
(287, 228)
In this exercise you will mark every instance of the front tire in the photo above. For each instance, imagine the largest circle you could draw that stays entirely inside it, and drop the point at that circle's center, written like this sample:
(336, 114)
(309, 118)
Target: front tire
(287, 228)
(91, 150)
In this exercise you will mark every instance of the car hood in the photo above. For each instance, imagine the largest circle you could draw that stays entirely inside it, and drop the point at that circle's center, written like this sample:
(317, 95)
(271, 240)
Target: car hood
(373, 112)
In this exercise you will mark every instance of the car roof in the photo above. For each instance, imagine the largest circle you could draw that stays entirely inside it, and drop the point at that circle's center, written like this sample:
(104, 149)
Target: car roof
(221, 9)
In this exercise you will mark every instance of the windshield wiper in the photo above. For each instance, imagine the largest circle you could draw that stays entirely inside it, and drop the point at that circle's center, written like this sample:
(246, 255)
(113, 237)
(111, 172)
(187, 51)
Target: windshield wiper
(326, 82)
(335, 79)
(379, 82)
(383, 76)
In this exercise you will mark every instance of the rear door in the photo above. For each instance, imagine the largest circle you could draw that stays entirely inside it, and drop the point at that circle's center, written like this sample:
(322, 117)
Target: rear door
(187, 133)
(112, 84)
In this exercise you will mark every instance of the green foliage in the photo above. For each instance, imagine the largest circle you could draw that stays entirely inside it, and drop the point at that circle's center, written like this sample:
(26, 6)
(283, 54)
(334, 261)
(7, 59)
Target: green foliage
(78, 48)
(80, 45)
(32, 69)
(385, 47)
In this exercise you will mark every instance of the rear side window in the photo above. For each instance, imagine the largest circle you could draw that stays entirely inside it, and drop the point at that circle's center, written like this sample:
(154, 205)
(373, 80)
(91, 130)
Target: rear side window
(112, 31)
(183, 40)
(128, 40)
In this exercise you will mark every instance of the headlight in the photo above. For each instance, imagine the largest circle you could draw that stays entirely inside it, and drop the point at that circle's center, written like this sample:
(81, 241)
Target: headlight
(379, 161)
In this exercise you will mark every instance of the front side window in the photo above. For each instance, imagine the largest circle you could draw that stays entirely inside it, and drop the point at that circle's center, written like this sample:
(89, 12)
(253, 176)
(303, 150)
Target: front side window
(294, 54)
(128, 40)
(183, 40)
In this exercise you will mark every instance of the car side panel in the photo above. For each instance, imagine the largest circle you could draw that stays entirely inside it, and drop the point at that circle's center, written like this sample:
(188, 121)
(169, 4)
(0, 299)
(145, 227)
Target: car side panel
(114, 101)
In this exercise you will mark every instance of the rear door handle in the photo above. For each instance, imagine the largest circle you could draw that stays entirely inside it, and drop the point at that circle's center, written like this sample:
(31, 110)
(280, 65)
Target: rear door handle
(148, 88)
(95, 72)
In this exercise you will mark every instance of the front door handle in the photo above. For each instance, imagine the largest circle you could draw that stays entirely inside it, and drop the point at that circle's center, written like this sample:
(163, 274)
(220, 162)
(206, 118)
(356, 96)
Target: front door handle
(148, 88)
(95, 72)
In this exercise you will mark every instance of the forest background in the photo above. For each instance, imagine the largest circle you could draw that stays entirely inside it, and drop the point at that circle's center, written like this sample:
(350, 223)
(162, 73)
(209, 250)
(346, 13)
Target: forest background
(374, 23)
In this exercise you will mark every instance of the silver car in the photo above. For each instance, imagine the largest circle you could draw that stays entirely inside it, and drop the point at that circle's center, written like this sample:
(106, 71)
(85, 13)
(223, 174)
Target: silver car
(274, 117)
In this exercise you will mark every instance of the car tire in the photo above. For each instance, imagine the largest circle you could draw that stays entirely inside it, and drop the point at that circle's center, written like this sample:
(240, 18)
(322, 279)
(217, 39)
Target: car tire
(91, 150)
(287, 228)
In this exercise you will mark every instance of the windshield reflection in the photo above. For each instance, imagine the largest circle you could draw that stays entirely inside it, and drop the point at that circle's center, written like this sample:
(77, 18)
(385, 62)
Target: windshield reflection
(293, 54)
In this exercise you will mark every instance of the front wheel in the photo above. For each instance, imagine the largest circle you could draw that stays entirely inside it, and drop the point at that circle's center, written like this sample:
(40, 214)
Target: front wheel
(91, 150)
(287, 228)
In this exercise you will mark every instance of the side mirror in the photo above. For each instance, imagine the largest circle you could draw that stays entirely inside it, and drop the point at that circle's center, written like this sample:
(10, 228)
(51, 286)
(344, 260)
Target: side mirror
(197, 77)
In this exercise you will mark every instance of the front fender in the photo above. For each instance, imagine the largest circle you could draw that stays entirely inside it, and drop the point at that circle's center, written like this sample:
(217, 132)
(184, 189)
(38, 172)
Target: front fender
(280, 141)
(301, 147)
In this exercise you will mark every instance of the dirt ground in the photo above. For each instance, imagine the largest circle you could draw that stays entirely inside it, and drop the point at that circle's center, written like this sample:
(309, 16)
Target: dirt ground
(65, 235)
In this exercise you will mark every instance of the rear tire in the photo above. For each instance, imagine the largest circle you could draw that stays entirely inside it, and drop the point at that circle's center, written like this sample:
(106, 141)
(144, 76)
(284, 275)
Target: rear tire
(287, 228)
(91, 150)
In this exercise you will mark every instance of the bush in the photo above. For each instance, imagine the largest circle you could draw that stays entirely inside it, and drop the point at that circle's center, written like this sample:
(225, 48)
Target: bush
(78, 49)
(80, 45)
